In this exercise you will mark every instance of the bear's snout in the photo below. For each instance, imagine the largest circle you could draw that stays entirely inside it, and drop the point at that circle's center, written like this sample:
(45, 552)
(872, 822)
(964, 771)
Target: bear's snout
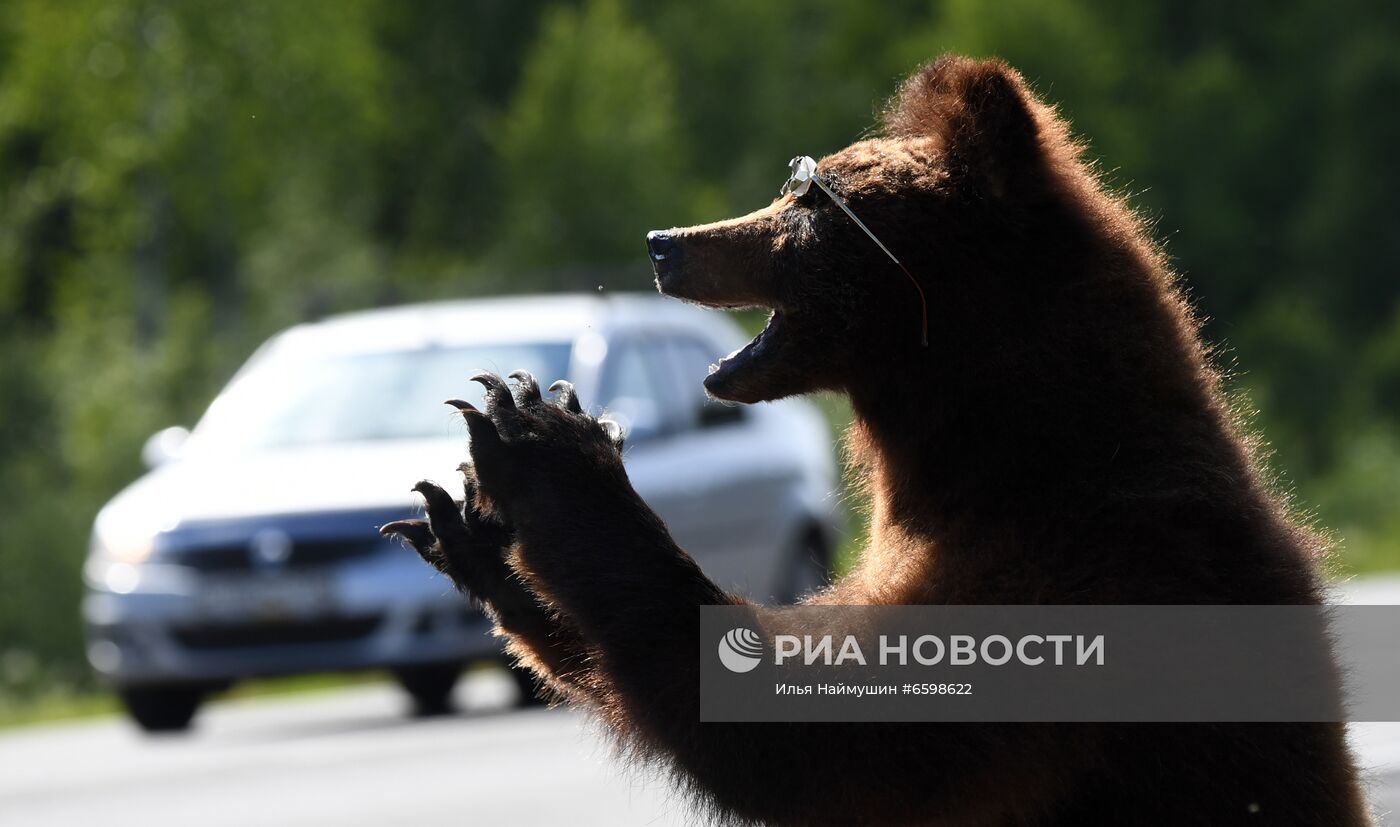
(664, 250)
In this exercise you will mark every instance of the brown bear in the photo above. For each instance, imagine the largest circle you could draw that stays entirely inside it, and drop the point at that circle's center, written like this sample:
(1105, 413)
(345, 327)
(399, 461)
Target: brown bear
(1061, 438)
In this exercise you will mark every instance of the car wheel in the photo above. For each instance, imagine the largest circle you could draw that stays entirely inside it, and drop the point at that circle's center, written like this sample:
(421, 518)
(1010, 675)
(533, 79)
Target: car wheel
(429, 686)
(162, 708)
(531, 693)
(809, 567)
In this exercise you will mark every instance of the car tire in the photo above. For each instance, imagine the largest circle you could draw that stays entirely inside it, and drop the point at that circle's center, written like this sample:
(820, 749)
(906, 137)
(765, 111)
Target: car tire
(430, 686)
(157, 709)
(531, 693)
(808, 568)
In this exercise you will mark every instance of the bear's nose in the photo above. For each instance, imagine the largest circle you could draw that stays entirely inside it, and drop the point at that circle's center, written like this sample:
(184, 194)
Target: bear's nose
(663, 249)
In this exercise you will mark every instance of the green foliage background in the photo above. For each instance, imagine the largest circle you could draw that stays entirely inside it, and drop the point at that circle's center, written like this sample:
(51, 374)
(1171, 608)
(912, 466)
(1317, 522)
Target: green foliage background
(179, 180)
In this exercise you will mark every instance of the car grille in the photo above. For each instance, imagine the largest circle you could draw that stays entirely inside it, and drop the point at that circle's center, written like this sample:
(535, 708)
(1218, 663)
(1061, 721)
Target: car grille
(276, 633)
(232, 558)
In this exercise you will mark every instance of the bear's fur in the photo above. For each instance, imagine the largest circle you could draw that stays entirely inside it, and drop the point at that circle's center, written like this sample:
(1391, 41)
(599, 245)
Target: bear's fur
(1061, 439)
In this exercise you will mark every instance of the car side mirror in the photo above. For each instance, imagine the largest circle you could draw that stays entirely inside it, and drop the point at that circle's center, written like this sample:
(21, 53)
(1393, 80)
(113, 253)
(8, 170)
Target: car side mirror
(165, 446)
(716, 414)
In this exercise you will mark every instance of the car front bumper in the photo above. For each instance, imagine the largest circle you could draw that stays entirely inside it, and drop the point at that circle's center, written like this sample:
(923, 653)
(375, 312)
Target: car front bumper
(169, 624)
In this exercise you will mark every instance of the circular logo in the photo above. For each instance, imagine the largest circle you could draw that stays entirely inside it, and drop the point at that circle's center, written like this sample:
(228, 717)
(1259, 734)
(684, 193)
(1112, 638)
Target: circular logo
(740, 650)
(270, 548)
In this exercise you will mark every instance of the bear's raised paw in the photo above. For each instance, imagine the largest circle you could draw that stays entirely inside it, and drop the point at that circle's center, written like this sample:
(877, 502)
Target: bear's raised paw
(534, 456)
(463, 541)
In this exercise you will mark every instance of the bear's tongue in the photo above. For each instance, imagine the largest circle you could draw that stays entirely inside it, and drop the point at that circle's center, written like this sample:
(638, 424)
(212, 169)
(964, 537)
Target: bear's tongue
(728, 375)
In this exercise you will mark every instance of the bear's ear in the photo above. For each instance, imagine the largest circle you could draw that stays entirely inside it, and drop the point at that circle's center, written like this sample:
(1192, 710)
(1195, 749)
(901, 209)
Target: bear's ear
(979, 109)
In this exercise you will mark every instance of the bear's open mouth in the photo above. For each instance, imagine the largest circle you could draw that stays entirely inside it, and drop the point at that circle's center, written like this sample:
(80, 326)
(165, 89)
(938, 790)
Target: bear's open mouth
(728, 372)
(718, 276)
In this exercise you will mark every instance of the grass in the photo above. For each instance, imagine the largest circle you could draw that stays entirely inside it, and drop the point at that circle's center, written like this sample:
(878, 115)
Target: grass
(68, 704)
(58, 704)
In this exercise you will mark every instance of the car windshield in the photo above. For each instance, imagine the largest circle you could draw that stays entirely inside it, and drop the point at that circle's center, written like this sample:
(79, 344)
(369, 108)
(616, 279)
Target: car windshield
(289, 397)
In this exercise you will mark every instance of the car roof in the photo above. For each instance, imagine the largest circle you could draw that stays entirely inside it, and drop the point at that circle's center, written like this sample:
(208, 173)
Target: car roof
(555, 317)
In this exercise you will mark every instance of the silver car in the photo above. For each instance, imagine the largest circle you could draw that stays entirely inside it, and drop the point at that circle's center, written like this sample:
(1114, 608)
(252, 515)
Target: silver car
(251, 547)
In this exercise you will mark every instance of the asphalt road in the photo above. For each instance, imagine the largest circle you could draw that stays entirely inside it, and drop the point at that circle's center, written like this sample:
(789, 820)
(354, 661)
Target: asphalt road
(345, 757)
(351, 757)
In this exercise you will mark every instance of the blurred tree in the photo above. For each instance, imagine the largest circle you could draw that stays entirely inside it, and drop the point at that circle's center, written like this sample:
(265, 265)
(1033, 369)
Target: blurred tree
(180, 179)
(591, 148)
(764, 82)
(451, 69)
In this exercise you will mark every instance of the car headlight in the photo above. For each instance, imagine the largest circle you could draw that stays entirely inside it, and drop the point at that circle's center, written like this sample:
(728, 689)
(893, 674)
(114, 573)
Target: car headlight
(113, 566)
(129, 547)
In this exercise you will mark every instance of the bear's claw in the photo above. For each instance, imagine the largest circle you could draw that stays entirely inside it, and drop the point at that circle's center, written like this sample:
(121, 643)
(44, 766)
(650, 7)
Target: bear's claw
(463, 541)
(527, 390)
(482, 430)
(520, 441)
(416, 532)
(497, 391)
(568, 397)
(444, 517)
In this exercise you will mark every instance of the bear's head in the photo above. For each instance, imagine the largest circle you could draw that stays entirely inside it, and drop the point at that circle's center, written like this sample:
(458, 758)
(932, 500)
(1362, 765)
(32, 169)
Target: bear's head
(950, 185)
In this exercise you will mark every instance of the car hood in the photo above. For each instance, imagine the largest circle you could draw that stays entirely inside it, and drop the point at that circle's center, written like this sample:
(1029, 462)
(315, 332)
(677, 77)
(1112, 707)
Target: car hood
(338, 477)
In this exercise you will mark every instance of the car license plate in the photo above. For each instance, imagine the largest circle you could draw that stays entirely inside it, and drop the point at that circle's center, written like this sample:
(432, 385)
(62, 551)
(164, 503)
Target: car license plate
(266, 597)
